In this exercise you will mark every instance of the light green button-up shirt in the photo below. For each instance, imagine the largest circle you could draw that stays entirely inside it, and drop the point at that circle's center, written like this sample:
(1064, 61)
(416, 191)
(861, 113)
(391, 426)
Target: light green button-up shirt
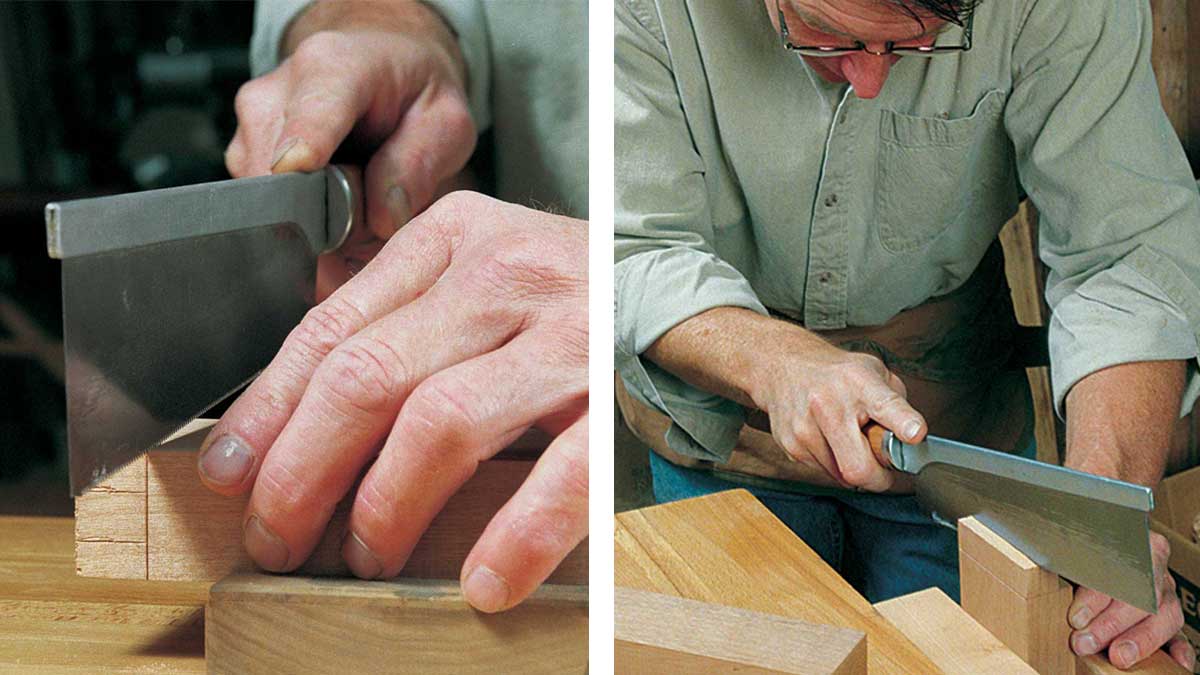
(743, 179)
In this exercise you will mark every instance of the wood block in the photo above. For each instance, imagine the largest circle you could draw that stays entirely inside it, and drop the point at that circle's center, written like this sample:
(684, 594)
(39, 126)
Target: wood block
(728, 549)
(287, 624)
(949, 636)
(658, 633)
(54, 621)
(1025, 607)
(191, 534)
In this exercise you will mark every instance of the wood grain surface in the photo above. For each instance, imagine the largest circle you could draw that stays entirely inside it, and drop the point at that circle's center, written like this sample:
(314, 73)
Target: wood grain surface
(658, 633)
(949, 636)
(727, 548)
(53, 621)
(260, 623)
(155, 520)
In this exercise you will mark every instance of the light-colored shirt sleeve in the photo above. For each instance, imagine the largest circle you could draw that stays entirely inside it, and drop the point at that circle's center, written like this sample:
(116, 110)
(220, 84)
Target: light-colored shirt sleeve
(666, 269)
(1120, 215)
(465, 17)
(271, 21)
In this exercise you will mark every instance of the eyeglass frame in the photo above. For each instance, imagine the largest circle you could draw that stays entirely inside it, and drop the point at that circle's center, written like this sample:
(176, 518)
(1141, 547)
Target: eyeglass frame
(889, 48)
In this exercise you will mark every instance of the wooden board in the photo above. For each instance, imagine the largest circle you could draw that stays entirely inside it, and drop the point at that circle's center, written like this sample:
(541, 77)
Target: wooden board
(155, 520)
(1025, 606)
(727, 548)
(658, 633)
(53, 621)
(289, 624)
(949, 636)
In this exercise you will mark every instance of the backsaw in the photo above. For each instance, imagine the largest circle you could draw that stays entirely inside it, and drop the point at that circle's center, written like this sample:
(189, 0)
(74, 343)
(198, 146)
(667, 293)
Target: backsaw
(1092, 530)
(175, 298)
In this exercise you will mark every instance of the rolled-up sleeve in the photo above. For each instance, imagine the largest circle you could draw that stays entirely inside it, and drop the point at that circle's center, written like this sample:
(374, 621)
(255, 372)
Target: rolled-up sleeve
(1120, 211)
(666, 268)
(271, 21)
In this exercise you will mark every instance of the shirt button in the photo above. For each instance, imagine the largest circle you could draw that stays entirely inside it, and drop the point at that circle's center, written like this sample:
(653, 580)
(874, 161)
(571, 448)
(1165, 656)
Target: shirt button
(825, 277)
(831, 200)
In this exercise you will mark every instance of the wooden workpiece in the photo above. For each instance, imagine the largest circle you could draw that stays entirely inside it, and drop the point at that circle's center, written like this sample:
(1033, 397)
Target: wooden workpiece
(153, 519)
(259, 623)
(658, 633)
(728, 549)
(1026, 607)
(958, 644)
(53, 621)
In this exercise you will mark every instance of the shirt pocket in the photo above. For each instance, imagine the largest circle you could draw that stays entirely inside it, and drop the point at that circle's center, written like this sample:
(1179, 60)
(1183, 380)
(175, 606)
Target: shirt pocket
(935, 172)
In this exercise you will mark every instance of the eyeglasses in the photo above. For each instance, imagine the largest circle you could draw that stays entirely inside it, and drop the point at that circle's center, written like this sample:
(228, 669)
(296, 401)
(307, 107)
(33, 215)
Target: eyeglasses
(889, 47)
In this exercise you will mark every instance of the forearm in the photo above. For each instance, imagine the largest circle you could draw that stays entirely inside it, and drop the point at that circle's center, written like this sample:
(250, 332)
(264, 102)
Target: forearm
(727, 349)
(1119, 420)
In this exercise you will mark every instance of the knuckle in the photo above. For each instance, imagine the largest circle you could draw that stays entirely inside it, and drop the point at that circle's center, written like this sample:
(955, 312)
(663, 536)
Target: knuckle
(821, 406)
(365, 373)
(857, 474)
(568, 345)
(809, 437)
(318, 48)
(461, 204)
(373, 516)
(445, 411)
(456, 123)
(326, 326)
(572, 475)
(286, 493)
(249, 98)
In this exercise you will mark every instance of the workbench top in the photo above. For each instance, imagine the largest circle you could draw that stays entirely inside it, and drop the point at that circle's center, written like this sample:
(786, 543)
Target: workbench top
(52, 621)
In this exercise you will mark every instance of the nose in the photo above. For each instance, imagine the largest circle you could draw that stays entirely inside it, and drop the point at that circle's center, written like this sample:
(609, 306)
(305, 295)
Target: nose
(867, 72)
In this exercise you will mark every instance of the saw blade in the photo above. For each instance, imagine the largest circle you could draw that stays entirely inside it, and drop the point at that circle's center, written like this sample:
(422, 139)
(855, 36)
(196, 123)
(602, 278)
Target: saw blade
(1092, 530)
(173, 299)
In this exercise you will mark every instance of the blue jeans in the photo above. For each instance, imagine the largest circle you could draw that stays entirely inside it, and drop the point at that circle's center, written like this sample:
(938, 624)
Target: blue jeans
(884, 545)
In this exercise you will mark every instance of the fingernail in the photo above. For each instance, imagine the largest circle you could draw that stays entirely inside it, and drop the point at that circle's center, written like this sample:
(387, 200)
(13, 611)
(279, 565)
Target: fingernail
(485, 590)
(1127, 652)
(1081, 618)
(398, 207)
(1189, 655)
(226, 461)
(291, 153)
(362, 562)
(264, 546)
(913, 428)
(1085, 644)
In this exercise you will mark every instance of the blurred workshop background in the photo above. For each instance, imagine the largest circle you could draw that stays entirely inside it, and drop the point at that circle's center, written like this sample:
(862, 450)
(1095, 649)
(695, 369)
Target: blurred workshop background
(95, 98)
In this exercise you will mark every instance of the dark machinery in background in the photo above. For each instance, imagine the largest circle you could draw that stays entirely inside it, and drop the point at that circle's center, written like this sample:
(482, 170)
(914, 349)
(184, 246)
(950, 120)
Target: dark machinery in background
(95, 98)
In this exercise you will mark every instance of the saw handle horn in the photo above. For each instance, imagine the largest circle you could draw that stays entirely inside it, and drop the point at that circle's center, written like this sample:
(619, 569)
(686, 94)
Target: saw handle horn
(343, 203)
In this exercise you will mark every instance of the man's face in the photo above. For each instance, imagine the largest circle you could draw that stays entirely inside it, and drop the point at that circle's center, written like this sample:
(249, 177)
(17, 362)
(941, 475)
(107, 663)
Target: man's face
(844, 22)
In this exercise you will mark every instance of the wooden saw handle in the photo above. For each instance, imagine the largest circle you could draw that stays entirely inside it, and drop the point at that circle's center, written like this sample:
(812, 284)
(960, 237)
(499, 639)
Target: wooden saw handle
(874, 433)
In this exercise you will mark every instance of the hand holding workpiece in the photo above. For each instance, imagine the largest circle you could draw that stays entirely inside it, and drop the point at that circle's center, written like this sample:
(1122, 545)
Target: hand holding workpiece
(469, 327)
(1127, 633)
(384, 78)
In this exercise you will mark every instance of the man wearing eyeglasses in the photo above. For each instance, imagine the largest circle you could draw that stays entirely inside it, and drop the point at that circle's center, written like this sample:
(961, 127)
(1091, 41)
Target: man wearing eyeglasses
(808, 194)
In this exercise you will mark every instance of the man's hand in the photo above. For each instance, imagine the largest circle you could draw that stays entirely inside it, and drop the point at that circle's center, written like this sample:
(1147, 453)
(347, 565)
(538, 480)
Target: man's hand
(818, 396)
(388, 79)
(1119, 423)
(468, 327)
(1128, 633)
